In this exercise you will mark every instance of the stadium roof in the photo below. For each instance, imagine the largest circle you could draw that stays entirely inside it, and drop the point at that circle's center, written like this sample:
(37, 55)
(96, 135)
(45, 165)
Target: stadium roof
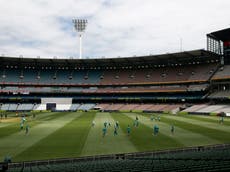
(163, 59)
(223, 35)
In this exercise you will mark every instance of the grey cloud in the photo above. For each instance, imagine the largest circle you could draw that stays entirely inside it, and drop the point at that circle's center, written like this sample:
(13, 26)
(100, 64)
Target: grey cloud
(116, 27)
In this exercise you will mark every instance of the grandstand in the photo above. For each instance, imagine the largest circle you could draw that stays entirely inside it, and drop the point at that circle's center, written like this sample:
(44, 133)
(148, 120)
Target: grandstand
(186, 77)
(175, 77)
(177, 160)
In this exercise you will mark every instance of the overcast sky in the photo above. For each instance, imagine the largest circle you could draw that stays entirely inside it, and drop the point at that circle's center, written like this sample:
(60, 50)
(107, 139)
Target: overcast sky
(115, 27)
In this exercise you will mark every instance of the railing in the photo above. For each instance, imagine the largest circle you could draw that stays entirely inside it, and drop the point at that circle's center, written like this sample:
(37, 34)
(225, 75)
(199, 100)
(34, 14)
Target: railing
(115, 156)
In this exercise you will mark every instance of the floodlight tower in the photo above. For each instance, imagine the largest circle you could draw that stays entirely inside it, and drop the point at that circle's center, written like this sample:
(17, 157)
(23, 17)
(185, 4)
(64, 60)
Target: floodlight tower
(80, 26)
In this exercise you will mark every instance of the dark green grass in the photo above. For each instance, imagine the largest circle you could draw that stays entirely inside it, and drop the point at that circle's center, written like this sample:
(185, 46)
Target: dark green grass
(216, 134)
(142, 136)
(8, 130)
(68, 141)
(50, 116)
(15, 126)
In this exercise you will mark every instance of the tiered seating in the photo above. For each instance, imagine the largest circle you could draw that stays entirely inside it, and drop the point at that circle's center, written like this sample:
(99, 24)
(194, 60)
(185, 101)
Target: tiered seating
(213, 159)
(25, 107)
(143, 107)
(74, 107)
(102, 106)
(158, 107)
(13, 107)
(195, 108)
(222, 73)
(160, 75)
(152, 89)
(164, 107)
(171, 107)
(129, 107)
(87, 106)
(45, 76)
(212, 108)
(142, 89)
(78, 77)
(204, 108)
(9, 89)
(175, 74)
(50, 76)
(92, 77)
(200, 87)
(29, 77)
(36, 106)
(61, 77)
(226, 109)
(17, 107)
(114, 106)
(220, 94)
(40, 107)
(136, 165)
(202, 73)
(10, 76)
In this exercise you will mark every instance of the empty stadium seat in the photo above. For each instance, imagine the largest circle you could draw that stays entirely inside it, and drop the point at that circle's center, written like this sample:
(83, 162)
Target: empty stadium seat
(213, 159)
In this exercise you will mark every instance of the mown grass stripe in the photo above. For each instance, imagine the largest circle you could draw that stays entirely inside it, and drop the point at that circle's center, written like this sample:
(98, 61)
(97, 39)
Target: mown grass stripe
(96, 144)
(18, 142)
(67, 141)
(2, 125)
(212, 119)
(218, 126)
(196, 127)
(184, 136)
(14, 127)
(142, 136)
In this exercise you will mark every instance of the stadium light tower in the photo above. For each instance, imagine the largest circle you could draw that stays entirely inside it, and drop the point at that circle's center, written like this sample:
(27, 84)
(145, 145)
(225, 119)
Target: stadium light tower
(80, 26)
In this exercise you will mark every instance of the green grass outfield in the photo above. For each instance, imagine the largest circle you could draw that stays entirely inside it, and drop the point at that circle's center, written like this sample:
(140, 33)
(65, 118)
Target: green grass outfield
(70, 134)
